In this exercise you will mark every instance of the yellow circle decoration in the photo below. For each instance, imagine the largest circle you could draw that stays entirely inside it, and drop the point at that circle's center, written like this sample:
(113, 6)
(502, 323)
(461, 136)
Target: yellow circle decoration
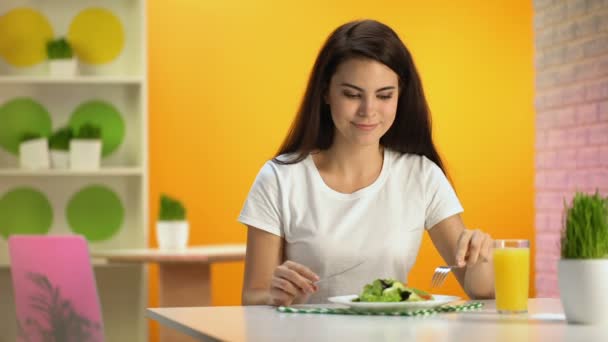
(97, 36)
(24, 33)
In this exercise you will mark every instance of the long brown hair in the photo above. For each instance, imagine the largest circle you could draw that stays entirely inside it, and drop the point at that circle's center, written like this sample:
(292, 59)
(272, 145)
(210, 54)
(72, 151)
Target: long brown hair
(313, 128)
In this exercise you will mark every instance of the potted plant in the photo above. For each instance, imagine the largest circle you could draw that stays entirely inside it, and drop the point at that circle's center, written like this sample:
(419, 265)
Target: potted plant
(172, 228)
(85, 147)
(33, 151)
(59, 145)
(583, 268)
(61, 58)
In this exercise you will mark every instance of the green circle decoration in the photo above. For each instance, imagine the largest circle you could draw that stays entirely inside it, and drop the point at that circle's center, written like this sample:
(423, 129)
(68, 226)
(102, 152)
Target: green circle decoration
(107, 117)
(95, 212)
(19, 116)
(25, 211)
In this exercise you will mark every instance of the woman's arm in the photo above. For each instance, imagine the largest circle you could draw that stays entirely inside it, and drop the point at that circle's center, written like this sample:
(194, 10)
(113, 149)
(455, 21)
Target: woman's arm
(269, 280)
(458, 245)
(264, 254)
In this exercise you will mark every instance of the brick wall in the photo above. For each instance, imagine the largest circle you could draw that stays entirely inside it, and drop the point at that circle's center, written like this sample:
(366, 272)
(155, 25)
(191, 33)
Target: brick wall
(571, 57)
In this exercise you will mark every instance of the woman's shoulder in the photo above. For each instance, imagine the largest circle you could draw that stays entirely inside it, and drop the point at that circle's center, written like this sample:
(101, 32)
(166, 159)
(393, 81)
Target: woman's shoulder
(412, 162)
(405, 158)
(287, 159)
(282, 166)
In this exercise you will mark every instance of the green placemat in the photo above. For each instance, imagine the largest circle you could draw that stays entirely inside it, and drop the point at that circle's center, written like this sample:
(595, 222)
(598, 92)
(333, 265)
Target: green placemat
(421, 312)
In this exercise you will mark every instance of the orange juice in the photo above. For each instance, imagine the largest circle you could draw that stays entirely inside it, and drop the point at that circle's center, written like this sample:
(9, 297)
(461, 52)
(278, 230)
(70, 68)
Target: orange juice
(511, 277)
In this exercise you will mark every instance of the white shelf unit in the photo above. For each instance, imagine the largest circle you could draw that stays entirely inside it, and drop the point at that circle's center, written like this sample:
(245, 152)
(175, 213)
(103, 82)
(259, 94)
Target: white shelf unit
(70, 80)
(123, 289)
(106, 171)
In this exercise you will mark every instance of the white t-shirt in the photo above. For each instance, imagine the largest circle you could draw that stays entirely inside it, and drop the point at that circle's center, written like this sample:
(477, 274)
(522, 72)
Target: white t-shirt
(329, 231)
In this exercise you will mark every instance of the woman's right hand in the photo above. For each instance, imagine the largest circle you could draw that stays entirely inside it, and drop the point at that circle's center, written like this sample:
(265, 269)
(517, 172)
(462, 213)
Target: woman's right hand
(292, 282)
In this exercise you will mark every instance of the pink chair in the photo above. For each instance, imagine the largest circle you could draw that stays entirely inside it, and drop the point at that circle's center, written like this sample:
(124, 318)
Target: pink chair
(55, 291)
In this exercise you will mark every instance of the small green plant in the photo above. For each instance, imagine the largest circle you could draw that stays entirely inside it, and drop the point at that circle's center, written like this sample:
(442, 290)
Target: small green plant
(60, 139)
(585, 234)
(171, 209)
(59, 49)
(88, 130)
(27, 136)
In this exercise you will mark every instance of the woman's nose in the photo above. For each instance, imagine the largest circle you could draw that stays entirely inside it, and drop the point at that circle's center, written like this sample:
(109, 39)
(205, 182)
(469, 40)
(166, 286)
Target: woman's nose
(367, 108)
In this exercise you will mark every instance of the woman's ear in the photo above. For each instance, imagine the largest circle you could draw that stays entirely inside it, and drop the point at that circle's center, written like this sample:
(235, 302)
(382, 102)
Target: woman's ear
(326, 95)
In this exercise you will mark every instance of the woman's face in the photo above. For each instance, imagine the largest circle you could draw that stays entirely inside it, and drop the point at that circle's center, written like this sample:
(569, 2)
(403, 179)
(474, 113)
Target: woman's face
(363, 95)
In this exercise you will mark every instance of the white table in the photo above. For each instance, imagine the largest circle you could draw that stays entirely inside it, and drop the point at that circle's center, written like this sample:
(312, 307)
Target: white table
(544, 322)
(184, 275)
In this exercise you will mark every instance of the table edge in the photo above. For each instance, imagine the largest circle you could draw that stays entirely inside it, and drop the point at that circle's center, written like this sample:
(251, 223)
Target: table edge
(151, 314)
(169, 260)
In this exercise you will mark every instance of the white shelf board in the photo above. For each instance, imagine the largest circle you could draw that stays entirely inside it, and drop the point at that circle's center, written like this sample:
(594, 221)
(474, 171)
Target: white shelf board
(109, 171)
(71, 80)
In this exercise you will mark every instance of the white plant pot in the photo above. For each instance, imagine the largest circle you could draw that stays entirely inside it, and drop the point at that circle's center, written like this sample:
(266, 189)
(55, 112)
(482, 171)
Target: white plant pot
(85, 154)
(60, 159)
(63, 67)
(172, 234)
(583, 285)
(34, 154)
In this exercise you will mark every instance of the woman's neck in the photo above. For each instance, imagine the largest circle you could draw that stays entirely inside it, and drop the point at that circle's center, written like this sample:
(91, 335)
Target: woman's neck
(351, 163)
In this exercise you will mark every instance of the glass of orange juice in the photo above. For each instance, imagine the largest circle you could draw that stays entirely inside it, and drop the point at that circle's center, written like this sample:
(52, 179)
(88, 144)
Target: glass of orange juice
(511, 275)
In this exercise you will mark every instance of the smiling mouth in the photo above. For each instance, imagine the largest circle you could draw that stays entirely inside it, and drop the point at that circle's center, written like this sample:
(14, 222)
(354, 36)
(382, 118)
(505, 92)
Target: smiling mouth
(365, 127)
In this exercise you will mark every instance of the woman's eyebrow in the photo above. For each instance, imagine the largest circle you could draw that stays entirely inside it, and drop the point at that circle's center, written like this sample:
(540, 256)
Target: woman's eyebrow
(362, 90)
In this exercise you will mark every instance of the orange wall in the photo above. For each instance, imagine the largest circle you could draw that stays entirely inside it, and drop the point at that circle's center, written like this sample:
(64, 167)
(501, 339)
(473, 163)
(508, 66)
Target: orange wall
(226, 78)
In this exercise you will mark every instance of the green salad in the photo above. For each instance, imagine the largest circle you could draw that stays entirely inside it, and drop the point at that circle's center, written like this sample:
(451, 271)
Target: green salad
(390, 290)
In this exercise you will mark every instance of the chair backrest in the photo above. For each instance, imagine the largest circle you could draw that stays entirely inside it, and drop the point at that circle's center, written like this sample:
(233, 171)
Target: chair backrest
(55, 291)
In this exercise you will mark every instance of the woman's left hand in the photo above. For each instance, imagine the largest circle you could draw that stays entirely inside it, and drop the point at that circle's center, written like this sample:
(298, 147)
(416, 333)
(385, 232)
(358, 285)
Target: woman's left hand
(473, 246)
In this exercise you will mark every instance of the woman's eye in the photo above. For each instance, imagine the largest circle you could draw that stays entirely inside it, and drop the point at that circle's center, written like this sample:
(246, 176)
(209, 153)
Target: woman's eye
(385, 96)
(351, 95)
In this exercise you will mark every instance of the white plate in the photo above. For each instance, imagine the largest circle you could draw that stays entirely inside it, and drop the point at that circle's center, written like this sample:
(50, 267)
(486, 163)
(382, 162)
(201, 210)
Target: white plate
(392, 306)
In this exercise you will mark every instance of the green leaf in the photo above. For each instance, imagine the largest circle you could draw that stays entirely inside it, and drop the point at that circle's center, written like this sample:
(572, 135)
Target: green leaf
(60, 139)
(171, 209)
(585, 234)
(88, 130)
(27, 136)
(59, 49)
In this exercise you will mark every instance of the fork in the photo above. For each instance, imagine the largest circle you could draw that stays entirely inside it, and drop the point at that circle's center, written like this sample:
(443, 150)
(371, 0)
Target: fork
(441, 273)
(339, 273)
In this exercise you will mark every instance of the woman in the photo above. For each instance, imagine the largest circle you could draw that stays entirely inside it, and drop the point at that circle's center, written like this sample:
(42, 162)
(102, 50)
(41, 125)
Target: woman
(358, 179)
